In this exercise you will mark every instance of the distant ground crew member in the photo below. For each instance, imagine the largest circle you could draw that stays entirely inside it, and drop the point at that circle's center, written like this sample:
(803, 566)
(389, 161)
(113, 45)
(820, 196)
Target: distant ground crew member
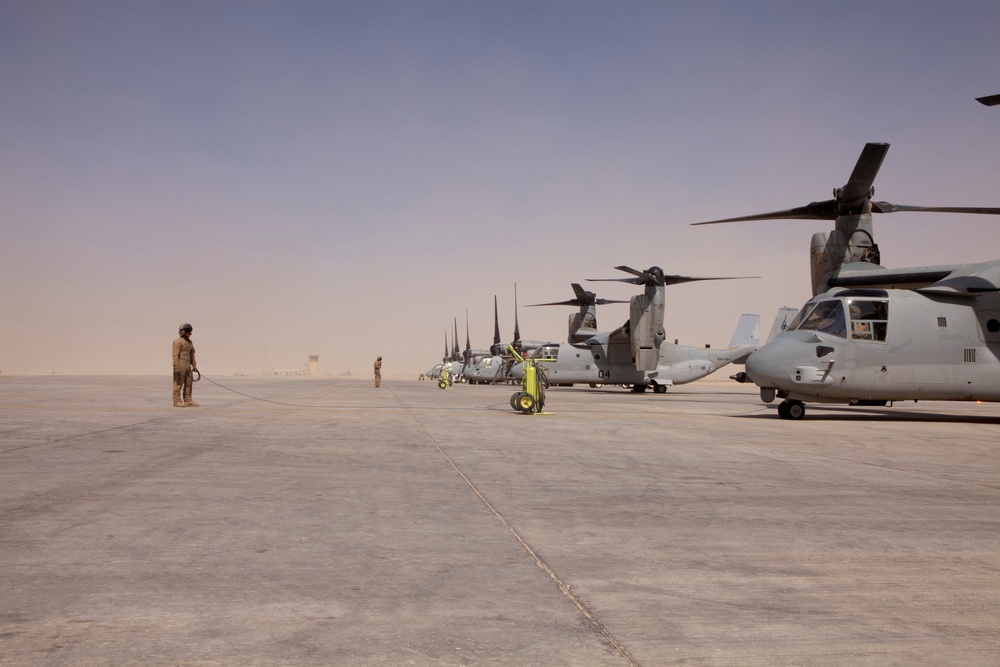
(185, 367)
(378, 372)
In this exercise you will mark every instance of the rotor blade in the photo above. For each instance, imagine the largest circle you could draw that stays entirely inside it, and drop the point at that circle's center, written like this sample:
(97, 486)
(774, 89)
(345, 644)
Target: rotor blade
(629, 269)
(496, 322)
(671, 280)
(581, 293)
(886, 207)
(859, 186)
(817, 210)
(989, 100)
(632, 281)
(517, 331)
(587, 298)
(572, 302)
(468, 344)
(677, 280)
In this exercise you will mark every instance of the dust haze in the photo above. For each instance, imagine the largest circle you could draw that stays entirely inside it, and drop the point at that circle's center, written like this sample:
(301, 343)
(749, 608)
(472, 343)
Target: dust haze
(347, 179)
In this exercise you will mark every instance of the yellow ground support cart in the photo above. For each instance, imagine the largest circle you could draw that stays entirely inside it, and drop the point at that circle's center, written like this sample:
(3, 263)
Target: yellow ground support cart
(531, 398)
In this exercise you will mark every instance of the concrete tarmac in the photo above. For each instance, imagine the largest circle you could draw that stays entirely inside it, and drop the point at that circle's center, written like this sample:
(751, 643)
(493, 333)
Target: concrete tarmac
(326, 522)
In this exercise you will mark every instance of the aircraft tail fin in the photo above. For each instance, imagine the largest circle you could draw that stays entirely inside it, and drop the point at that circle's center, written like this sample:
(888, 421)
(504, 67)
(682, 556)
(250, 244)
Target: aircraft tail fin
(747, 331)
(781, 321)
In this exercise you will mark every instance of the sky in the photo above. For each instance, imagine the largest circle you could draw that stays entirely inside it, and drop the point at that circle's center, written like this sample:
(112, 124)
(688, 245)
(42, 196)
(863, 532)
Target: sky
(346, 179)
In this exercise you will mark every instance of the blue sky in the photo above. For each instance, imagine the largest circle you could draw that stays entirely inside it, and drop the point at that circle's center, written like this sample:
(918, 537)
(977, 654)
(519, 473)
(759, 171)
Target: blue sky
(344, 179)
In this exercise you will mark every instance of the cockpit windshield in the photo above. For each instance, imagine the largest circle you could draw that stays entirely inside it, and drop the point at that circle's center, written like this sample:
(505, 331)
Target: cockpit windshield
(801, 315)
(867, 319)
(827, 317)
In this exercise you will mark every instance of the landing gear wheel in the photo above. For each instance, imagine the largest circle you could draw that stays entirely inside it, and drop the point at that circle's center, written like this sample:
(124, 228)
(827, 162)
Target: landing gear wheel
(526, 403)
(788, 409)
(659, 388)
(639, 389)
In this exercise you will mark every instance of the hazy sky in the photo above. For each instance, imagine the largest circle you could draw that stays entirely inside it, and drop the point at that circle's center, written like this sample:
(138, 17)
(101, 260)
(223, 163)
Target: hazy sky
(346, 178)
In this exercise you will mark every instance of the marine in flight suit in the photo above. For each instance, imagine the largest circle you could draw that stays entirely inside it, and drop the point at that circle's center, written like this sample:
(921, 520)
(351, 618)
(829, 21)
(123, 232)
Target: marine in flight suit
(184, 367)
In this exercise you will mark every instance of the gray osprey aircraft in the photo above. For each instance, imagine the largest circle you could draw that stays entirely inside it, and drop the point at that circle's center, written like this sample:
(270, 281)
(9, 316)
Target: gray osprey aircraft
(488, 367)
(637, 353)
(494, 366)
(872, 335)
(450, 358)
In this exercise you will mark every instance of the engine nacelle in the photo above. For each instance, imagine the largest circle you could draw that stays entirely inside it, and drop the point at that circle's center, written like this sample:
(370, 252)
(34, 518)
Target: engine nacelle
(851, 241)
(646, 331)
(826, 254)
(582, 326)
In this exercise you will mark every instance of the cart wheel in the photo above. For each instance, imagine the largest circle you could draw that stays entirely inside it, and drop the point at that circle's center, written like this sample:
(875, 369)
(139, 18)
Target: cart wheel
(443, 384)
(526, 403)
(514, 398)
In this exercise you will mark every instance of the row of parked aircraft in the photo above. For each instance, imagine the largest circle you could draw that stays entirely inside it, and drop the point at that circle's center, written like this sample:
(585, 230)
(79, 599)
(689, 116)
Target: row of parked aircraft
(869, 335)
(637, 354)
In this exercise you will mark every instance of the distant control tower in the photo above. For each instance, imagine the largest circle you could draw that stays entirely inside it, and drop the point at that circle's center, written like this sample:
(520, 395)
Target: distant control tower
(313, 365)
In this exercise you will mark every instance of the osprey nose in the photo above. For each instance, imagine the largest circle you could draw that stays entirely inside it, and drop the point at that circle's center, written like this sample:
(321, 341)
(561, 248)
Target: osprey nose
(770, 365)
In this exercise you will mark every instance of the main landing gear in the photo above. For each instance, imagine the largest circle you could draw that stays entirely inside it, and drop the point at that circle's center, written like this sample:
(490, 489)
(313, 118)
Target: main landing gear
(789, 409)
(656, 386)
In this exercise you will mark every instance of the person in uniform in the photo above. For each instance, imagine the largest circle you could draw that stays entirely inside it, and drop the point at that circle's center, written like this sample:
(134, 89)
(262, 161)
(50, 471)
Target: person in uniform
(378, 372)
(185, 367)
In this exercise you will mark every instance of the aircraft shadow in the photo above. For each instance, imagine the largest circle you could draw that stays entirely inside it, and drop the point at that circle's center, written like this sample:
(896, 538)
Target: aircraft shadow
(818, 412)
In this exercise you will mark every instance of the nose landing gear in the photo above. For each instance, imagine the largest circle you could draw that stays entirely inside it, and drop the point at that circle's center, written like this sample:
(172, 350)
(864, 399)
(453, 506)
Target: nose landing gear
(789, 409)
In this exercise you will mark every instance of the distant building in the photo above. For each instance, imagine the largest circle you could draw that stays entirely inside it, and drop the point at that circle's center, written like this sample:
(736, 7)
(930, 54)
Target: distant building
(311, 369)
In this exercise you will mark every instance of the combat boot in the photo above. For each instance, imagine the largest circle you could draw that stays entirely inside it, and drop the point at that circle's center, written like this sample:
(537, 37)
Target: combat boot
(178, 404)
(192, 404)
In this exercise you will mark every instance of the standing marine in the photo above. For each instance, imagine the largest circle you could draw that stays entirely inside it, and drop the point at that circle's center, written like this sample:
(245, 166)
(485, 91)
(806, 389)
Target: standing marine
(378, 372)
(185, 367)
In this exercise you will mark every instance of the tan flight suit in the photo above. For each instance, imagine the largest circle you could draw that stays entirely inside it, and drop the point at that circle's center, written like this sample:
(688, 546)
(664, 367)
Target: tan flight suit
(378, 372)
(184, 365)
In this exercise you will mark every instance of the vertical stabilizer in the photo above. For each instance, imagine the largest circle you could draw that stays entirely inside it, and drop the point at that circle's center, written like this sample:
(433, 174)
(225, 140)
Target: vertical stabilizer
(781, 322)
(747, 331)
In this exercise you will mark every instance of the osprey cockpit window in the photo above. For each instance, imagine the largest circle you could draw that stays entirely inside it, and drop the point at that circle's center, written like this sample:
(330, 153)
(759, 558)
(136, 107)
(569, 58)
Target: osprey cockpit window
(801, 315)
(545, 352)
(869, 319)
(827, 317)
